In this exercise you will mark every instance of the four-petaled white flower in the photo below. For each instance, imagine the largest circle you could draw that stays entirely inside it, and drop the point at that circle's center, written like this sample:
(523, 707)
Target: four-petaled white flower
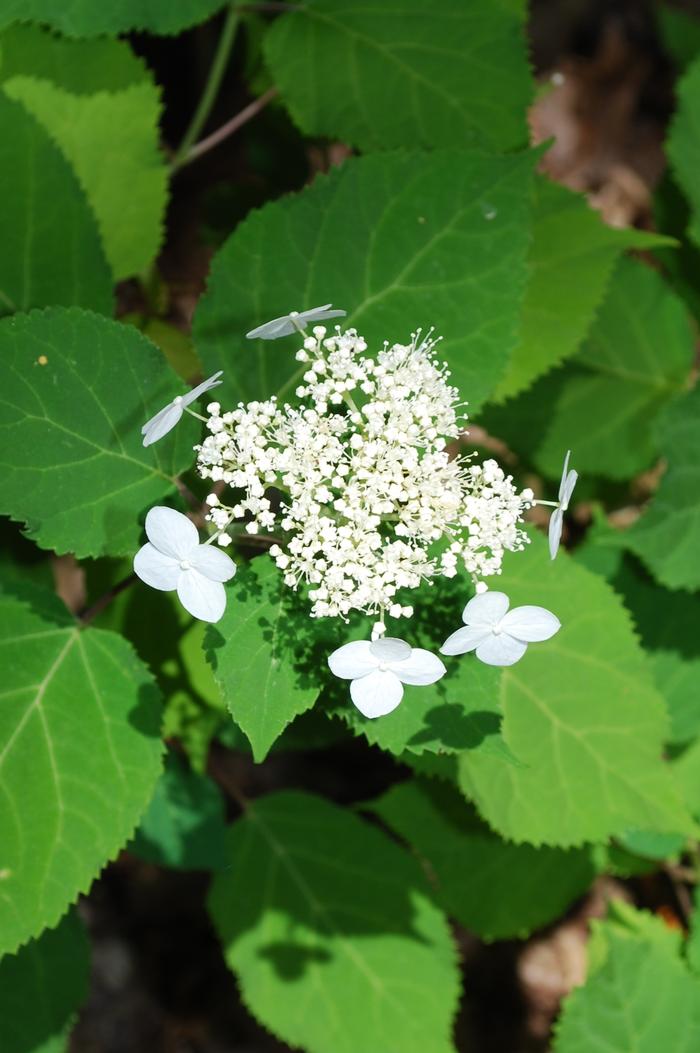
(497, 635)
(378, 671)
(166, 419)
(174, 559)
(293, 322)
(566, 489)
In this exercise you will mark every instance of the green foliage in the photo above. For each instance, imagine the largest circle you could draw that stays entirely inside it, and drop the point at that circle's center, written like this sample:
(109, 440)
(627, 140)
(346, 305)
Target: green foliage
(79, 756)
(332, 932)
(99, 103)
(41, 987)
(571, 258)
(84, 18)
(401, 241)
(683, 144)
(183, 825)
(396, 74)
(51, 251)
(567, 709)
(256, 653)
(493, 887)
(641, 997)
(667, 535)
(72, 465)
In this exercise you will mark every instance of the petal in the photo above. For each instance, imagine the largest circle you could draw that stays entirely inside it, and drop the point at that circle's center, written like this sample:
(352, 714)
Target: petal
(352, 660)
(500, 650)
(273, 329)
(157, 417)
(172, 533)
(465, 639)
(486, 609)
(158, 571)
(212, 563)
(531, 624)
(206, 385)
(564, 470)
(555, 525)
(377, 693)
(161, 424)
(423, 667)
(202, 598)
(319, 314)
(569, 485)
(389, 649)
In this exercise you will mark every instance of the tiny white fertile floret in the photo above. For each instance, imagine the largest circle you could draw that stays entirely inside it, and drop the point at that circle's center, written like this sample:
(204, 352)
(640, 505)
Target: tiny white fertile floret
(497, 635)
(166, 419)
(566, 489)
(377, 671)
(173, 559)
(293, 322)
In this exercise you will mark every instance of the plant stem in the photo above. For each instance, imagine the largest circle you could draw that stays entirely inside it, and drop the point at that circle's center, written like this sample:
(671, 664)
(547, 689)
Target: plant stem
(91, 613)
(211, 87)
(229, 128)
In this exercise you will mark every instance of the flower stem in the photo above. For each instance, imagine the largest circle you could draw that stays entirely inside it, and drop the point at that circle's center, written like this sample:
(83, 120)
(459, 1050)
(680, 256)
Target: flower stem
(99, 605)
(211, 87)
(236, 122)
(552, 504)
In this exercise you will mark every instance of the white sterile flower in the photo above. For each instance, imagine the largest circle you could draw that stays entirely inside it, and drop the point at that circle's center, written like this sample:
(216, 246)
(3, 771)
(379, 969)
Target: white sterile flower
(378, 671)
(174, 559)
(497, 635)
(166, 419)
(566, 489)
(293, 322)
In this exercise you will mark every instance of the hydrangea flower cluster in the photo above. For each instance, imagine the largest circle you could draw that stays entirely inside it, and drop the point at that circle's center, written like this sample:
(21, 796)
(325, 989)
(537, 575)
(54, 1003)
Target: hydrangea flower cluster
(359, 481)
(372, 501)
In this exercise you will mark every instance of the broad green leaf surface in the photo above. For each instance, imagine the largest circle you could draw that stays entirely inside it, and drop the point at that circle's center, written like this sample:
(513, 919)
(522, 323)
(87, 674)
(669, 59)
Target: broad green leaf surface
(683, 144)
(85, 18)
(693, 944)
(256, 654)
(571, 259)
(184, 824)
(332, 932)
(495, 888)
(398, 240)
(80, 753)
(394, 73)
(41, 988)
(667, 535)
(642, 998)
(76, 390)
(106, 122)
(51, 251)
(583, 716)
(680, 33)
(636, 359)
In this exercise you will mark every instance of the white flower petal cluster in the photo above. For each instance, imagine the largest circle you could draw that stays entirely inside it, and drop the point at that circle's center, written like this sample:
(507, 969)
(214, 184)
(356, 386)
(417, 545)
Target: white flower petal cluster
(166, 419)
(379, 669)
(174, 560)
(497, 635)
(566, 489)
(357, 480)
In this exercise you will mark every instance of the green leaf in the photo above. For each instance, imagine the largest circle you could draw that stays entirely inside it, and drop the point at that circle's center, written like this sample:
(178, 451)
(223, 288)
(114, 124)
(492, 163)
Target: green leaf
(402, 74)
(80, 753)
(255, 654)
(692, 949)
(41, 987)
(667, 536)
(496, 889)
(51, 251)
(332, 933)
(680, 33)
(683, 144)
(637, 358)
(76, 390)
(99, 103)
(183, 825)
(582, 715)
(85, 18)
(398, 240)
(571, 259)
(642, 999)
